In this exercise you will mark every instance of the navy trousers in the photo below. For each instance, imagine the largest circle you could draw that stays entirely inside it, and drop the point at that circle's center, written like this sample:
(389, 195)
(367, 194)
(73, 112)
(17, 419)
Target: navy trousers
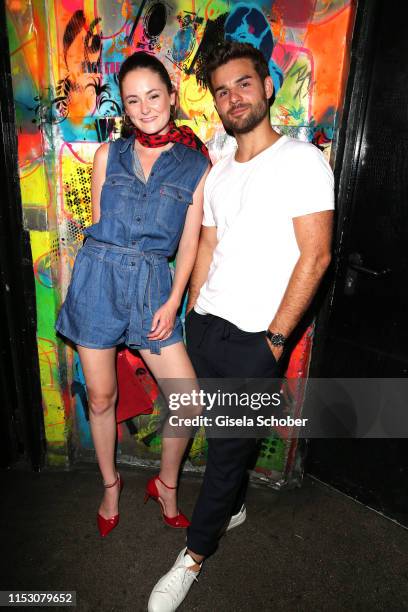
(218, 349)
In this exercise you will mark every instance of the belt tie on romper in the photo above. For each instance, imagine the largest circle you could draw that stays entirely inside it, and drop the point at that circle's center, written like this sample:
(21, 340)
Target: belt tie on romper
(147, 274)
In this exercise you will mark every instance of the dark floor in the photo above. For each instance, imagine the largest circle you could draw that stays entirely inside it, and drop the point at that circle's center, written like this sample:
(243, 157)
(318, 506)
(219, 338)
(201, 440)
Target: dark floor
(306, 549)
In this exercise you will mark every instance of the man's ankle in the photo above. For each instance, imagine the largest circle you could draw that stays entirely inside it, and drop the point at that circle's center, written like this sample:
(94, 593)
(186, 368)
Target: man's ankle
(197, 558)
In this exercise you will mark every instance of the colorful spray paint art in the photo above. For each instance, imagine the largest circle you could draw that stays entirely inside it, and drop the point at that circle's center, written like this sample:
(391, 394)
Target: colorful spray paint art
(65, 57)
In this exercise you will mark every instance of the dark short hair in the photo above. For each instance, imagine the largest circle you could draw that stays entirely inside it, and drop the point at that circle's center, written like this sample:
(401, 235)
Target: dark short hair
(230, 50)
(141, 59)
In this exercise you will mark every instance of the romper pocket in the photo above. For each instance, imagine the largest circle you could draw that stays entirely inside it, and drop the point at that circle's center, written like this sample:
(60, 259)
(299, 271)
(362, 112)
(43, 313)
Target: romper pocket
(160, 284)
(79, 278)
(115, 193)
(173, 204)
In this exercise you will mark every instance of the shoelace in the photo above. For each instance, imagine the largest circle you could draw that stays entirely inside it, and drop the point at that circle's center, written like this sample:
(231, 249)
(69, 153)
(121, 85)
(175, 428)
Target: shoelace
(168, 589)
(195, 577)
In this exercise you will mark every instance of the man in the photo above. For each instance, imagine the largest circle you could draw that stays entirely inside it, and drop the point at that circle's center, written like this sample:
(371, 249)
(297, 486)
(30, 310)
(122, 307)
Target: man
(264, 248)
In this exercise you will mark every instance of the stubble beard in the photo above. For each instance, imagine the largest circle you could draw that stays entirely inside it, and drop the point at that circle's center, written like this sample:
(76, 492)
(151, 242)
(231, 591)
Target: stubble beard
(248, 123)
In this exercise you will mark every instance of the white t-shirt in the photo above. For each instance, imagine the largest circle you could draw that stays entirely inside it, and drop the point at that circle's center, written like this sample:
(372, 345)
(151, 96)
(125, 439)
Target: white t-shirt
(252, 205)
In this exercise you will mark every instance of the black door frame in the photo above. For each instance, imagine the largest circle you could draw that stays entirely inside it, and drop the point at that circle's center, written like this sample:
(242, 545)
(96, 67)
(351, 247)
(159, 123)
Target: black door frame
(348, 148)
(22, 437)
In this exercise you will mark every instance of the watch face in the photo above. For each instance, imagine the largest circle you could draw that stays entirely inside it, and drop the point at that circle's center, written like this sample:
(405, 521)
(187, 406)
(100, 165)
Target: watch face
(276, 339)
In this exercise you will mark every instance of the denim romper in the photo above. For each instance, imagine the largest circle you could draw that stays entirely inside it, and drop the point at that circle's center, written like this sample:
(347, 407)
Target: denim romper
(121, 274)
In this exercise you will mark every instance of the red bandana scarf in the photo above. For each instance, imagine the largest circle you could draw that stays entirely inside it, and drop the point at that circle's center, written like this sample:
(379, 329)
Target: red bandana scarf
(182, 134)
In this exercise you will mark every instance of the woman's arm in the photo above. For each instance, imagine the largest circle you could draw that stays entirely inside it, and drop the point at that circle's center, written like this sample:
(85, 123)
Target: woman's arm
(98, 179)
(187, 250)
(208, 242)
(163, 320)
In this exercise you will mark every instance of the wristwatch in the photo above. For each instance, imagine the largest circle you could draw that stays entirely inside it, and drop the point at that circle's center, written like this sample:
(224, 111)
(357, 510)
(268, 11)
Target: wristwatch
(275, 339)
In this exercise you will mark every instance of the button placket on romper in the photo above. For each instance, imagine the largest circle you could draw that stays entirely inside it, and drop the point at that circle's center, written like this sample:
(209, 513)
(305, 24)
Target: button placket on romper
(145, 271)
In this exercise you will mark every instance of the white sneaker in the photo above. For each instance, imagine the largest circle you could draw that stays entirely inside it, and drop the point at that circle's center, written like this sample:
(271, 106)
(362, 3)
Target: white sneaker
(172, 588)
(237, 519)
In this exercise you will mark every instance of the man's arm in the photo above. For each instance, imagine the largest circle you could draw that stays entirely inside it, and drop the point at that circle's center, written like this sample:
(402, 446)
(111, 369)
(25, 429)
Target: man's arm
(208, 242)
(313, 234)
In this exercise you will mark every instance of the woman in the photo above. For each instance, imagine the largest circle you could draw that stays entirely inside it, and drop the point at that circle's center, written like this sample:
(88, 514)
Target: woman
(147, 200)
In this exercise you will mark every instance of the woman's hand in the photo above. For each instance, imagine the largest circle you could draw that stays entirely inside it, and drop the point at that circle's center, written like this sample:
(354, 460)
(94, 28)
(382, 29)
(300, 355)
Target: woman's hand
(163, 321)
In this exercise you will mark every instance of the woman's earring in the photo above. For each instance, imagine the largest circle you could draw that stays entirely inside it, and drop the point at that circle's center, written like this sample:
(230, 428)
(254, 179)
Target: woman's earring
(126, 122)
(127, 126)
(173, 112)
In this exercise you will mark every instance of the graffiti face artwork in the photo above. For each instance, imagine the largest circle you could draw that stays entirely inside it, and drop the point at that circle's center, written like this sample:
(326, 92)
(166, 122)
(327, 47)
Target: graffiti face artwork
(65, 57)
(82, 58)
(249, 25)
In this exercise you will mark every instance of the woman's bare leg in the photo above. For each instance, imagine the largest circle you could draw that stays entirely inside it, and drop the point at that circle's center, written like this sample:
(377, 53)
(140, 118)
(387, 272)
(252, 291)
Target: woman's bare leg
(173, 362)
(99, 368)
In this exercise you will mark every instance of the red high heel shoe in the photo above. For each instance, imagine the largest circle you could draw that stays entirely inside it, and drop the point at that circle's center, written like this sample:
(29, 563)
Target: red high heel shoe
(180, 521)
(105, 526)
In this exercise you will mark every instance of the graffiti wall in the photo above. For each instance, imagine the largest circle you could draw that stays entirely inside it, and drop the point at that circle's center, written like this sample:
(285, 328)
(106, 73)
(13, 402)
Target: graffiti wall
(65, 58)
